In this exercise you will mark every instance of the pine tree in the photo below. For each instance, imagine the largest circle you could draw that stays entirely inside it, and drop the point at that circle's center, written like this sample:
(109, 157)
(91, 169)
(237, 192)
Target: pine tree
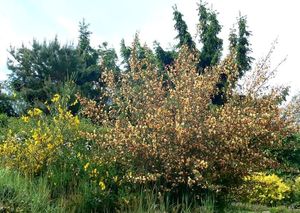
(209, 28)
(240, 44)
(38, 71)
(180, 26)
(6, 106)
(89, 73)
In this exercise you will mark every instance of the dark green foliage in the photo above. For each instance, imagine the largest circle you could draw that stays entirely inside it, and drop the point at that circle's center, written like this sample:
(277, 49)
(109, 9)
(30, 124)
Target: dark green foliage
(89, 71)
(239, 43)
(108, 60)
(38, 71)
(289, 155)
(140, 51)
(108, 57)
(164, 58)
(220, 98)
(211, 50)
(125, 54)
(6, 103)
(180, 26)
(209, 28)
(3, 121)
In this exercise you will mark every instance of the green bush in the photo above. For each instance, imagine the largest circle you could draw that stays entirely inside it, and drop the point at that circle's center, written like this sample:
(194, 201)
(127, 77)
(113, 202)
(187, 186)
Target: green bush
(295, 198)
(3, 120)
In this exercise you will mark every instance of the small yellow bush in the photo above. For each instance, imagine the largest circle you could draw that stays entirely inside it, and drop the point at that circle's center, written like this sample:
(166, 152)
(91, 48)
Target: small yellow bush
(266, 189)
(48, 136)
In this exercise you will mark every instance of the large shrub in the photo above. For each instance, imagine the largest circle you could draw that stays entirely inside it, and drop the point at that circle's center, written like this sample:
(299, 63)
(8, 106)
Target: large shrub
(169, 132)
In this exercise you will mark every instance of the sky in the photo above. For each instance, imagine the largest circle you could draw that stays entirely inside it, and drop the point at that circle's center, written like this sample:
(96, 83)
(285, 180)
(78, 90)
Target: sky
(268, 20)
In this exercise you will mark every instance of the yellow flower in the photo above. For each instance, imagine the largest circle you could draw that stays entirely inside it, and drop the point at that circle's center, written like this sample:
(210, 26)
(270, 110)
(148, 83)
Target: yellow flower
(102, 185)
(94, 173)
(76, 120)
(86, 166)
(35, 112)
(74, 103)
(55, 98)
(115, 178)
(25, 119)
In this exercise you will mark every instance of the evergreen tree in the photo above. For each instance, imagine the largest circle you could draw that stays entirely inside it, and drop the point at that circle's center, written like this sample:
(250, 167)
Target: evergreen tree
(38, 71)
(140, 52)
(180, 26)
(240, 44)
(108, 59)
(164, 58)
(125, 54)
(209, 28)
(89, 71)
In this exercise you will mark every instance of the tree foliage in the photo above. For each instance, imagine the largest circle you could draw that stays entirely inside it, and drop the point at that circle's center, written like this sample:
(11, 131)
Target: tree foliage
(239, 42)
(6, 102)
(38, 71)
(184, 141)
(180, 26)
(209, 28)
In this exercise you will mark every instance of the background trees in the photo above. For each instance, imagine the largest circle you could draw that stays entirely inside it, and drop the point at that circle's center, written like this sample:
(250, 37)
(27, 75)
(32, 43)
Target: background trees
(39, 70)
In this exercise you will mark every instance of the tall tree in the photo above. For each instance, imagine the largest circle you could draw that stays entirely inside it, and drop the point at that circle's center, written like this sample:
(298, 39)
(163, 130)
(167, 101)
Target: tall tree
(37, 71)
(239, 43)
(89, 72)
(181, 27)
(209, 28)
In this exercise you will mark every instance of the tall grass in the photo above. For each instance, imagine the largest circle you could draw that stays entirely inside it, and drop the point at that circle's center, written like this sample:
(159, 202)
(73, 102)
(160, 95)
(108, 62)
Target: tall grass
(148, 201)
(20, 194)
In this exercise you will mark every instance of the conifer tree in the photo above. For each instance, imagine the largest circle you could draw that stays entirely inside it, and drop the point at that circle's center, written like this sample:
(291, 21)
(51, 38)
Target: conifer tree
(239, 42)
(180, 26)
(209, 28)
(89, 71)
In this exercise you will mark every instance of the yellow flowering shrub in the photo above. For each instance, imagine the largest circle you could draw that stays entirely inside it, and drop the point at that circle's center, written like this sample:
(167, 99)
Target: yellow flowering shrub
(173, 135)
(265, 188)
(48, 137)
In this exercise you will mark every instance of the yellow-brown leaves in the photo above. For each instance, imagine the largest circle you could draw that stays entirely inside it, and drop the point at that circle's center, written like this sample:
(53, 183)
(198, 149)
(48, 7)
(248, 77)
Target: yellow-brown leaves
(176, 135)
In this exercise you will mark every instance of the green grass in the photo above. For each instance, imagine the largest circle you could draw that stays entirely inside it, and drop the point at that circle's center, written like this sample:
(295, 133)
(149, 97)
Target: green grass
(250, 208)
(19, 194)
